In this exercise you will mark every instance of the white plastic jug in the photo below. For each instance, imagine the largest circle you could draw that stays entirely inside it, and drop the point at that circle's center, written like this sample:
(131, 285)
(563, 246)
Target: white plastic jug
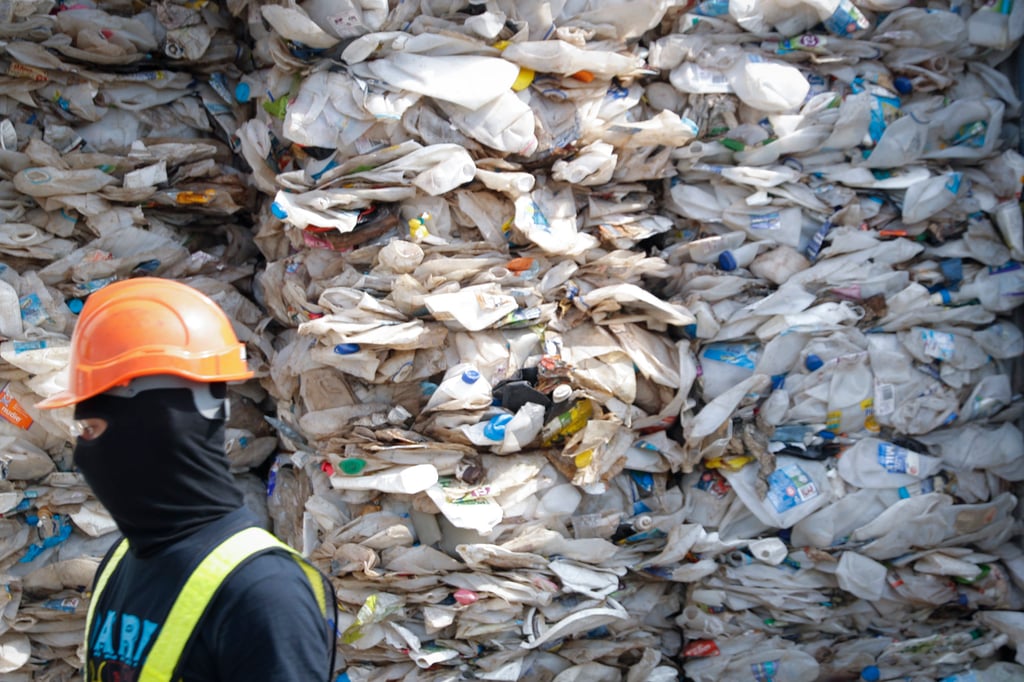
(875, 463)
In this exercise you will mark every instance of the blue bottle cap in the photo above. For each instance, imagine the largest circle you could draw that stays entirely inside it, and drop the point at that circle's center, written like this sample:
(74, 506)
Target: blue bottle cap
(903, 85)
(952, 270)
(242, 92)
(870, 674)
(813, 362)
(470, 376)
(346, 348)
(278, 211)
(495, 427)
(76, 305)
(727, 261)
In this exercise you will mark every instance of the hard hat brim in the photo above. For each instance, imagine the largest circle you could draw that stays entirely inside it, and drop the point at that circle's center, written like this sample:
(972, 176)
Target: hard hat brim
(62, 399)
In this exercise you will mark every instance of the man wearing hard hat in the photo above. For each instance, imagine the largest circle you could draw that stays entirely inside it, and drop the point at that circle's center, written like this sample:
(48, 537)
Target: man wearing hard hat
(195, 590)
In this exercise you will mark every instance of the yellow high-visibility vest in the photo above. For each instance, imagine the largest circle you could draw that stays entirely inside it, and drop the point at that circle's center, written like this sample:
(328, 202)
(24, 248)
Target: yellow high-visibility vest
(200, 588)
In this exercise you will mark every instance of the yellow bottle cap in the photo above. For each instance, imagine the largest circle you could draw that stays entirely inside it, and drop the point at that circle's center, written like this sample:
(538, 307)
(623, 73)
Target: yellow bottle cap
(523, 80)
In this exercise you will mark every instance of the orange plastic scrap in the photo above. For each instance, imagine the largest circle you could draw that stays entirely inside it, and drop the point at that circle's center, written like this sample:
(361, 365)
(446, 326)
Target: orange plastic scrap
(196, 198)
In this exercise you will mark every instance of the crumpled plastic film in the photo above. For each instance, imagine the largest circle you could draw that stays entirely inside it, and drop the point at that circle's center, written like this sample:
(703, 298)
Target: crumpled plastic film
(595, 341)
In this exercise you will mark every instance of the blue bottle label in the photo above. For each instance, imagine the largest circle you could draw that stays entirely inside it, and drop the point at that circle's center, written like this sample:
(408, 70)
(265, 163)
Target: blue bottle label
(789, 487)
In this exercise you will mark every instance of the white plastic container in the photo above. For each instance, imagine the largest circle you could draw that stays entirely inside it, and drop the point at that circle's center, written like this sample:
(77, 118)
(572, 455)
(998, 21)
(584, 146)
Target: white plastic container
(861, 576)
(708, 249)
(833, 524)
(779, 224)
(851, 394)
(997, 289)
(463, 388)
(723, 365)
(405, 480)
(767, 86)
(875, 463)
(488, 433)
(796, 489)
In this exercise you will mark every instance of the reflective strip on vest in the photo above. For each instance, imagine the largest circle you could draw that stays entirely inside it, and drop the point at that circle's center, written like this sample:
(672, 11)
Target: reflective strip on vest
(99, 584)
(196, 595)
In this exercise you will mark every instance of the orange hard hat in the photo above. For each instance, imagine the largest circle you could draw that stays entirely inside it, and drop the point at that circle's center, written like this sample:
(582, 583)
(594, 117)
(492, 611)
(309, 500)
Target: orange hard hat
(146, 326)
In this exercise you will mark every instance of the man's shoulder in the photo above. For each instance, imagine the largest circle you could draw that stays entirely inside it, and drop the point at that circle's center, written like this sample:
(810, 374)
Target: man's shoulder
(268, 592)
(273, 569)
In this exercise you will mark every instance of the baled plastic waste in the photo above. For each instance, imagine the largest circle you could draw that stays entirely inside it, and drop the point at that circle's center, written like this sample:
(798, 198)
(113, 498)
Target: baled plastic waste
(594, 340)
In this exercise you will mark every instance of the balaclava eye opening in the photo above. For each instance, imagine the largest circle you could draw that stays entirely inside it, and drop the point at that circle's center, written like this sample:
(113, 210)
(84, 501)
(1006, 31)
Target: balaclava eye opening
(159, 467)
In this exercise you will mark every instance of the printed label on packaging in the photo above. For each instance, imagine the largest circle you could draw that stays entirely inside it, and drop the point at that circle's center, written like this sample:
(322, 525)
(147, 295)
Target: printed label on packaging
(883, 108)
(971, 135)
(18, 70)
(347, 24)
(67, 605)
(712, 8)
(765, 221)
(714, 483)
(846, 20)
(707, 77)
(491, 301)
(938, 345)
(26, 346)
(12, 411)
(870, 423)
(832, 420)
(932, 484)
(32, 310)
(93, 285)
(897, 460)
(885, 399)
(538, 218)
(789, 487)
(738, 355)
(1008, 287)
(1010, 266)
(701, 648)
(458, 495)
(765, 671)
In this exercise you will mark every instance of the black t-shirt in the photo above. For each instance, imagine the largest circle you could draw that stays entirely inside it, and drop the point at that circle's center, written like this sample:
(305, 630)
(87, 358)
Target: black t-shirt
(263, 624)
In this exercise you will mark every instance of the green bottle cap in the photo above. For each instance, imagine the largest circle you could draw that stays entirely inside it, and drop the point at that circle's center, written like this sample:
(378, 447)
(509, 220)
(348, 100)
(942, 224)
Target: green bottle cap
(352, 466)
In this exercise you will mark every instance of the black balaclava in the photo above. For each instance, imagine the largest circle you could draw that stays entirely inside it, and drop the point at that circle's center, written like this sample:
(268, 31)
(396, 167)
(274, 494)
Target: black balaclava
(159, 468)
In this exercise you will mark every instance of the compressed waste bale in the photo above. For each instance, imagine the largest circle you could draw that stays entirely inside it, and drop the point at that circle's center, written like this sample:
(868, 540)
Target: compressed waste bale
(594, 340)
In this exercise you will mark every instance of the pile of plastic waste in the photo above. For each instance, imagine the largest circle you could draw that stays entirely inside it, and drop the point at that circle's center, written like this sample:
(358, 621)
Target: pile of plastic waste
(595, 340)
